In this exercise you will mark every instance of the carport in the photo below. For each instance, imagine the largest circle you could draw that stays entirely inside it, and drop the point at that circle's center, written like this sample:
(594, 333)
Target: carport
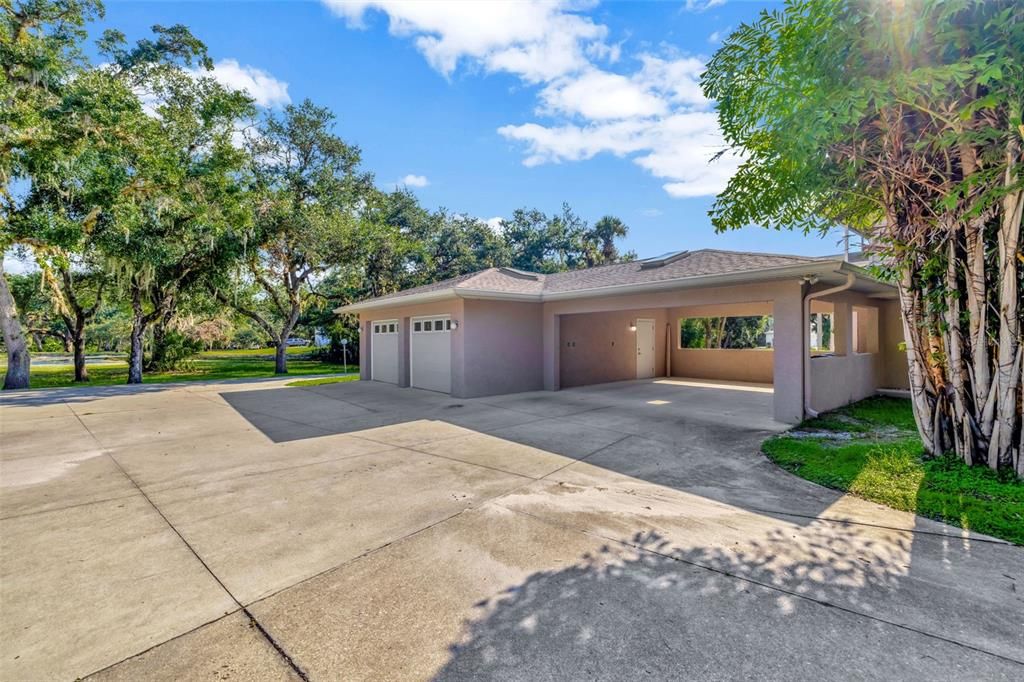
(514, 331)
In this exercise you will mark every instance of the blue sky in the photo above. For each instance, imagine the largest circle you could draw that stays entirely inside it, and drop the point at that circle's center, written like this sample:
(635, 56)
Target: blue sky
(484, 108)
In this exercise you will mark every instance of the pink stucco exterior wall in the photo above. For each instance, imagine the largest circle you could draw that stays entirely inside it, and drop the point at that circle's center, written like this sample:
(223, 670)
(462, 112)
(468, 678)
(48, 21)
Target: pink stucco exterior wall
(596, 348)
(504, 347)
(731, 365)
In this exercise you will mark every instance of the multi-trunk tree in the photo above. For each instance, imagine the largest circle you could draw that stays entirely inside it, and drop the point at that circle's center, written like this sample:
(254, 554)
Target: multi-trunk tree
(308, 197)
(902, 119)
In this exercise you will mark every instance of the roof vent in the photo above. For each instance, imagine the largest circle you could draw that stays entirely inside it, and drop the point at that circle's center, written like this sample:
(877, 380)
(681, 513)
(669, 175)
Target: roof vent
(662, 260)
(520, 274)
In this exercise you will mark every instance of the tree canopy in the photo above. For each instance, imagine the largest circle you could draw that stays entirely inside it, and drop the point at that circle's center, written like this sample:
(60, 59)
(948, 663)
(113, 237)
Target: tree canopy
(902, 120)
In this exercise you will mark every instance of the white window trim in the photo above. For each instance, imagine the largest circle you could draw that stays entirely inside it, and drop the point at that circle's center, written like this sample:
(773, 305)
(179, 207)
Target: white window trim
(378, 323)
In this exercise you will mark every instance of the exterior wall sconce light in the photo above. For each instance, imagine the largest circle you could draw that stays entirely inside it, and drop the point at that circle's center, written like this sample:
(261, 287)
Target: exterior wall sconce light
(455, 324)
(632, 326)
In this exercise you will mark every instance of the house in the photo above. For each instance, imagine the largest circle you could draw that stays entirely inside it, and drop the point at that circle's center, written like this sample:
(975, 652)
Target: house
(503, 330)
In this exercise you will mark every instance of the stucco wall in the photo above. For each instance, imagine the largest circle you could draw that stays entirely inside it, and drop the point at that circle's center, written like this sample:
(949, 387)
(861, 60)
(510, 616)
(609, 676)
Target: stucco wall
(838, 380)
(723, 363)
(893, 370)
(503, 348)
(596, 348)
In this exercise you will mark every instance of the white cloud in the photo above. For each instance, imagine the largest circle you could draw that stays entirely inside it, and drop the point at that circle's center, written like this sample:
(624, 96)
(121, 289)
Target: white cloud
(266, 90)
(677, 148)
(658, 117)
(535, 39)
(702, 5)
(414, 181)
(596, 94)
(654, 113)
(651, 212)
(495, 224)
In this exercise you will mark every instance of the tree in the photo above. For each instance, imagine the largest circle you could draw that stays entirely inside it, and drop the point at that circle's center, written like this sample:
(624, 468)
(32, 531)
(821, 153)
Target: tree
(902, 119)
(603, 236)
(309, 194)
(75, 175)
(189, 226)
(540, 243)
(39, 52)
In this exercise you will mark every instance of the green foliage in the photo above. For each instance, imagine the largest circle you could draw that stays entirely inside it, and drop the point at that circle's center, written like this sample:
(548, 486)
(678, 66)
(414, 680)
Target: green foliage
(744, 332)
(804, 92)
(885, 463)
(178, 351)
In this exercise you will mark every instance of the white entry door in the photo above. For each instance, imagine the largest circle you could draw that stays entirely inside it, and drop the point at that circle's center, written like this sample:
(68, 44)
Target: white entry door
(645, 354)
(430, 353)
(384, 351)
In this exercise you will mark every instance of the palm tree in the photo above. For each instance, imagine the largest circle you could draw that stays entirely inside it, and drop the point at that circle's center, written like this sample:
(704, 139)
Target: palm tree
(606, 231)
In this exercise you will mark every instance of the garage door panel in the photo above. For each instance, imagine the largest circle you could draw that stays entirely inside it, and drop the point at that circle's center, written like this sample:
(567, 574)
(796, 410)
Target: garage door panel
(430, 348)
(384, 351)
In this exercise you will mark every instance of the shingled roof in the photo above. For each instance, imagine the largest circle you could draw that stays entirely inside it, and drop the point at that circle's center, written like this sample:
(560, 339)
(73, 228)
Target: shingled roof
(505, 282)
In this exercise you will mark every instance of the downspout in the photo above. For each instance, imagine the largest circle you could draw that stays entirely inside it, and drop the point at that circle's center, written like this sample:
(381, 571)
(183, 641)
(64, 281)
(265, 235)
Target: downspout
(850, 279)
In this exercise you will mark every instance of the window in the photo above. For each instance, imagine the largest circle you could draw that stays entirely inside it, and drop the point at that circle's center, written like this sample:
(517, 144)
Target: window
(822, 340)
(376, 329)
(391, 328)
(432, 326)
(746, 332)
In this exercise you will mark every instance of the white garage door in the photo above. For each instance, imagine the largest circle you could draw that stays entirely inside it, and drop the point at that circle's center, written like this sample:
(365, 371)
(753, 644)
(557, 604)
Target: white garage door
(430, 349)
(384, 351)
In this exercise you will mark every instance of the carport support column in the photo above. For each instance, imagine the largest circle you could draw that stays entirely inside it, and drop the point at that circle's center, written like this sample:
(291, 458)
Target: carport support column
(789, 348)
(365, 334)
(842, 328)
(404, 329)
(552, 351)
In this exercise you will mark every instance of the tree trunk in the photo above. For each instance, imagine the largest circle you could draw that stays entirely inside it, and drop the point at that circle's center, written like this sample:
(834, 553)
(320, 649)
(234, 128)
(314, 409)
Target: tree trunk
(920, 384)
(138, 330)
(281, 357)
(18, 358)
(158, 355)
(78, 343)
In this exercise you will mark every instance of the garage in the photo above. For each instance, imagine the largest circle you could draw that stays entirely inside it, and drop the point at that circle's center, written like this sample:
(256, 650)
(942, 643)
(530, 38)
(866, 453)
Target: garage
(430, 353)
(384, 351)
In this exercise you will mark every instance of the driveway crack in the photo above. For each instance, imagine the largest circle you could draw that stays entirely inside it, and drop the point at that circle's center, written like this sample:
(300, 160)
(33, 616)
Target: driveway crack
(262, 630)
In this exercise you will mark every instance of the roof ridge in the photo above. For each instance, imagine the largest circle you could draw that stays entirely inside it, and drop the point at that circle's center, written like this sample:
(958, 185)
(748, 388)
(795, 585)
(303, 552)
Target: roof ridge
(757, 253)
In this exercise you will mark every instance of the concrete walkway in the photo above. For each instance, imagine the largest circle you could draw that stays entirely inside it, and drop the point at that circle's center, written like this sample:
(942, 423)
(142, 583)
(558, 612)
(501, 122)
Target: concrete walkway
(360, 531)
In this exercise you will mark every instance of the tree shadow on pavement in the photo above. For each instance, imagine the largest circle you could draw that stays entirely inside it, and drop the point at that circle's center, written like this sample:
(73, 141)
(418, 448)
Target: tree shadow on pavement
(646, 608)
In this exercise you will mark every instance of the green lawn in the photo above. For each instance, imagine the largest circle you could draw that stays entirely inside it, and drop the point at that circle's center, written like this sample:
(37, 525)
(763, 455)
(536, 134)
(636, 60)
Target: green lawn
(882, 462)
(211, 365)
(320, 381)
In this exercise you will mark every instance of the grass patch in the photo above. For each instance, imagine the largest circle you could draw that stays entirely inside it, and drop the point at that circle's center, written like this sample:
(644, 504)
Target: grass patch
(883, 462)
(216, 365)
(320, 381)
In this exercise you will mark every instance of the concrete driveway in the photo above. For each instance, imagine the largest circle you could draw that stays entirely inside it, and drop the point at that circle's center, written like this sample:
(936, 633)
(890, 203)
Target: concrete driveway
(360, 531)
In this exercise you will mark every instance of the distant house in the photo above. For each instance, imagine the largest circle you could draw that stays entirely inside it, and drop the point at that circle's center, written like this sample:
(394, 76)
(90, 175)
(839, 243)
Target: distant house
(503, 330)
